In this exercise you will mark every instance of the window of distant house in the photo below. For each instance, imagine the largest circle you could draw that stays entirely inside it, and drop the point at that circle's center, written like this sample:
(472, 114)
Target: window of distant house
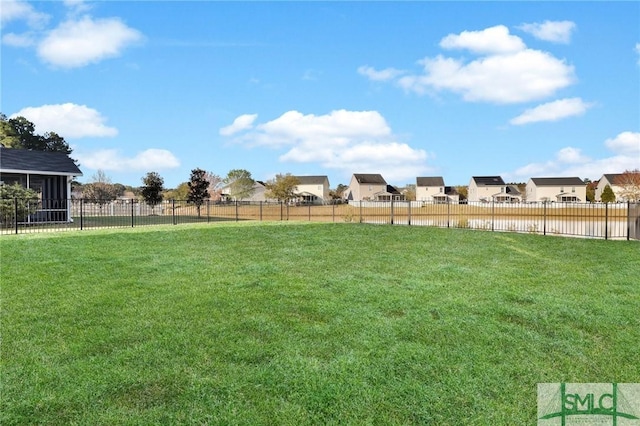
(501, 189)
(562, 189)
(573, 189)
(369, 187)
(441, 190)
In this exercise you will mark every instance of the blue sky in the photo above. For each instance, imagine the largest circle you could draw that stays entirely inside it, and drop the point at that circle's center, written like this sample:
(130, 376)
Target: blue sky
(405, 89)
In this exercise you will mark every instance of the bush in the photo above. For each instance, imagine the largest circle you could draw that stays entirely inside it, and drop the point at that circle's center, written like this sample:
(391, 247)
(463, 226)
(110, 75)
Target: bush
(10, 211)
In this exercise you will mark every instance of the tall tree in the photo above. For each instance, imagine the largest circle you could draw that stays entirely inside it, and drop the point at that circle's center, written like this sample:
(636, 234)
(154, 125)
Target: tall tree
(282, 187)
(152, 188)
(338, 193)
(20, 133)
(198, 188)
(410, 192)
(100, 191)
(607, 195)
(629, 182)
(181, 192)
(240, 184)
(591, 190)
(215, 181)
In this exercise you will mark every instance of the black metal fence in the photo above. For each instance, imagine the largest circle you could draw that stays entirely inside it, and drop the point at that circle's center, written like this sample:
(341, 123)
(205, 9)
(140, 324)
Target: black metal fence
(590, 220)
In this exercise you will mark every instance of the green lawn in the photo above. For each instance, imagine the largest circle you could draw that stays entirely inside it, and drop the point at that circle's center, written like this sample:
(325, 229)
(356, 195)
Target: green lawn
(308, 323)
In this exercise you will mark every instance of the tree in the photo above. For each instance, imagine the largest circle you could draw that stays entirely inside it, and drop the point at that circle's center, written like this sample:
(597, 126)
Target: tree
(282, 187)
(20, 133)
(463, 192)
(198, 188)
(240, 183)
(410, 192)
(16, 203)
(629, 182)
(153, 185)
(215, 192)
(591, 190)
(338, 193)
(181, 192)
(100, 191)
(607, 195)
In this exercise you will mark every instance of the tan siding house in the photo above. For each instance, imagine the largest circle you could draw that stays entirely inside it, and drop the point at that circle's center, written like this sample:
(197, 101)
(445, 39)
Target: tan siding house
(364, 187)
(313, 189)
(492, 188)
(433, 189)
(558, 189)
(614, 180)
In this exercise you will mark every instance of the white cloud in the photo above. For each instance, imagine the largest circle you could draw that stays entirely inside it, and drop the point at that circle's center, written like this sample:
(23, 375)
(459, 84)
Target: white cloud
(112, 160)
(571, 161)
(491, 40)
(554, 31)
(625, 143)
(343, 140)
(506, 72)
(553, 111)
(68, 120)
(21, 10)
(241, 123)
(510, 78)
(76, 43)
(19, 40)
(379, 75)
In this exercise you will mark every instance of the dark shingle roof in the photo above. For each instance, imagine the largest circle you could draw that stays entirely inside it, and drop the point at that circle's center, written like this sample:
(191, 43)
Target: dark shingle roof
(613, 177)
(488, 180)
(24, 160)
(557, 181)
(430, 181)
(370, 178)
(312, 180)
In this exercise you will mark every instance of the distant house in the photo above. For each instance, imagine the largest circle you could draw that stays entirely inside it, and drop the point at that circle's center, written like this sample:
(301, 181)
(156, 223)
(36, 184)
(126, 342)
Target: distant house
(433, 189)
(492, 188)
(48, 173)
(615, 181)
(559, 189)
(258, 194)
(313, 189)
(365, 187)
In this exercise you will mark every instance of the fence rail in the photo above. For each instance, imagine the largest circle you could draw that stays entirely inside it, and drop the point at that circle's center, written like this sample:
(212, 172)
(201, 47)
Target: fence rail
(590, 220)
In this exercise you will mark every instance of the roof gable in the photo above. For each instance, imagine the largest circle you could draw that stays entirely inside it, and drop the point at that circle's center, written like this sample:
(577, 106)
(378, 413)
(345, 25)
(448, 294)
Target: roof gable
(370, 178)
(488, 180)
(44, 162)
(430, 181)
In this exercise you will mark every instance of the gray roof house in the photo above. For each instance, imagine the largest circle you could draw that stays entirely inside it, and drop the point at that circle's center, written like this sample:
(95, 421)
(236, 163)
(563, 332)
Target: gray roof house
(433, 189)
(492, 188)
(365, 187)
(313, 189)
(48, 173)
(557, 189)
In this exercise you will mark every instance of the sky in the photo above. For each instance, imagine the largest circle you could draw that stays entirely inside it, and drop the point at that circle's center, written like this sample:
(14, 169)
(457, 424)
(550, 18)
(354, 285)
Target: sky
(403, 89)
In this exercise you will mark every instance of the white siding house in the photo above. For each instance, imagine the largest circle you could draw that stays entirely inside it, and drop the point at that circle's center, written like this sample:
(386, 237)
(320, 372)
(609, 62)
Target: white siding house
(558, 189)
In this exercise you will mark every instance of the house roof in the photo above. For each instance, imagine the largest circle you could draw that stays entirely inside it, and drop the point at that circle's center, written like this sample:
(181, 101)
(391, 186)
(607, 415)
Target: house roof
(312, 180)
(488, 180)
(430, 181)
(37, 162)
(613, 178)
(557, 181)
(370, 178)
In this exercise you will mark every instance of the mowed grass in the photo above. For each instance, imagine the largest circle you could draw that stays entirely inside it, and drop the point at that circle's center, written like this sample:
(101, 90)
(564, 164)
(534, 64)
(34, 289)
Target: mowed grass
(308, 323)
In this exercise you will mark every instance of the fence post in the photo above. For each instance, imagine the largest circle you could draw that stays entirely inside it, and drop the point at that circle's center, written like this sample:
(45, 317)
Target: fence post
(628, 220)
(360, 211)
(493, 218)
(208, 214)
(309, 212)
(606, 221)
(173, 210)
(236, 210)
(132, 212)
(544, 218)
(409, 218)
(333, 212)
(391, 210)
(281, 211)
(15, 211)
(260, 211)
(448, 213)
(81, 213)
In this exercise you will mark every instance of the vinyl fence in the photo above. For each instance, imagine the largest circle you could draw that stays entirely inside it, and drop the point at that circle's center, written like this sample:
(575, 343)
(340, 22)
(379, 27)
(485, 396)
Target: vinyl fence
(589, 220)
